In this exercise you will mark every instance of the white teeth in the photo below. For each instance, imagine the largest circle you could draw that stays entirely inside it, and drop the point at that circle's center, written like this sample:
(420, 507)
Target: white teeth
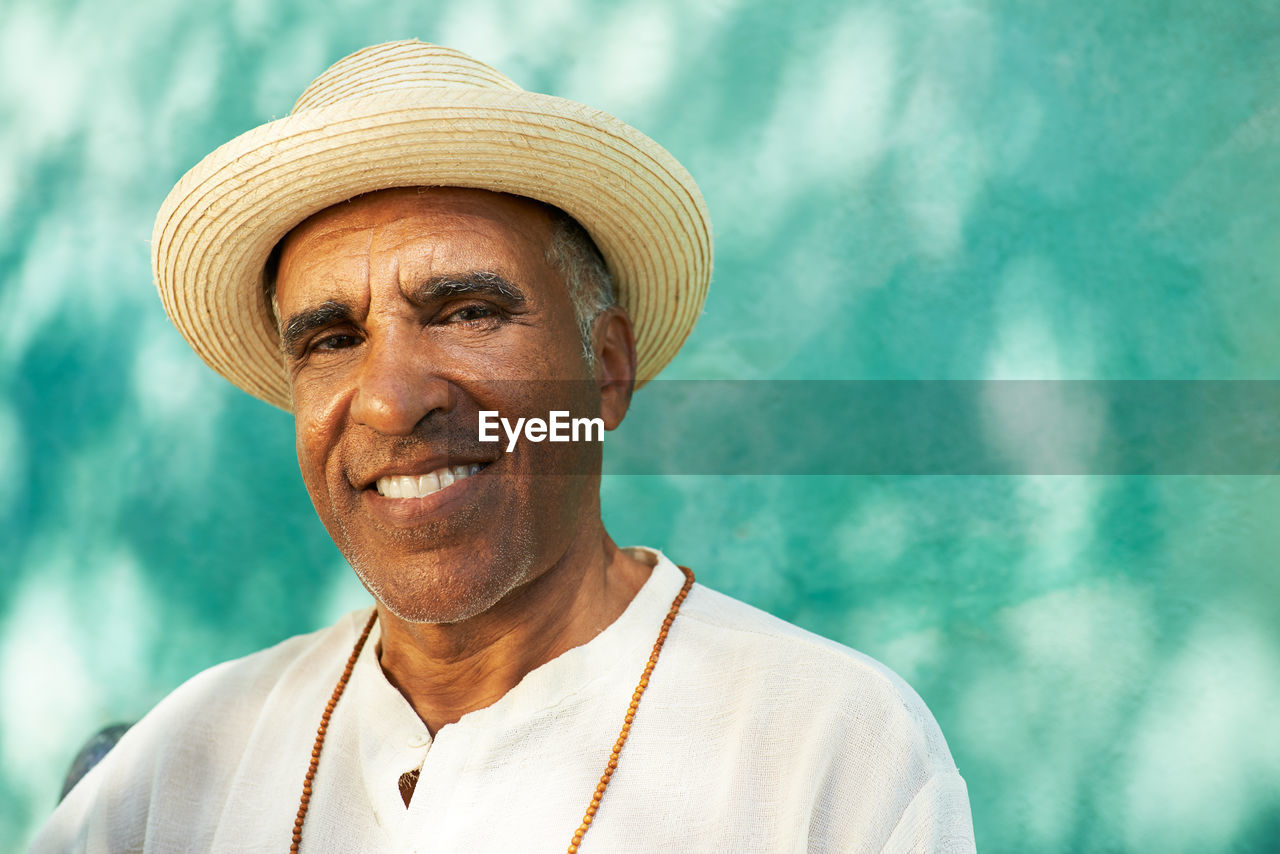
(420, 486)
(427, 484)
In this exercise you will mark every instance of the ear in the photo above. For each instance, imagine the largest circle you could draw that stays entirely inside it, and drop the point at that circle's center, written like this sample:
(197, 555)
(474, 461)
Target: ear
(615, 371)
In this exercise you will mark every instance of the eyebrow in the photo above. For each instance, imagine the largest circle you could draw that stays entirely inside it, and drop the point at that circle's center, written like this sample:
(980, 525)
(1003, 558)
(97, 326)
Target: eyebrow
(302, 324)
(475, 283)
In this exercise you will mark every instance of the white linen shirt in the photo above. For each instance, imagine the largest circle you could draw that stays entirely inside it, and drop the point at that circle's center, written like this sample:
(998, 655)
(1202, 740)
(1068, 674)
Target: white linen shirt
(753, 736)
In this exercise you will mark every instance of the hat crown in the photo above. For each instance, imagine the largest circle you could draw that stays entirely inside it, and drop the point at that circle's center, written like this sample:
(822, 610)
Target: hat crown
(395, 67)
(409, 114)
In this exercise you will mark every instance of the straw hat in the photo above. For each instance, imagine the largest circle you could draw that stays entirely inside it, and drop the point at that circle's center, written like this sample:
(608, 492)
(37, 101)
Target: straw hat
(412, 114)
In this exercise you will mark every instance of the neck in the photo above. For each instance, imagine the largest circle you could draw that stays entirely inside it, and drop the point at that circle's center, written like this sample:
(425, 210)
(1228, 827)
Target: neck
(448, 670)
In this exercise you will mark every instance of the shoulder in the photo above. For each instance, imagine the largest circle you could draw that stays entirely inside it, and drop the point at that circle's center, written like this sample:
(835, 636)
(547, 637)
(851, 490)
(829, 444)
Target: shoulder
(229, 697)
(791, 661)
(862, 749)
(192, 744)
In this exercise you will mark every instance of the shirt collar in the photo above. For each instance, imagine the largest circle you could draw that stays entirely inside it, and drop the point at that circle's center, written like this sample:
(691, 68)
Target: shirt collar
(392, 738)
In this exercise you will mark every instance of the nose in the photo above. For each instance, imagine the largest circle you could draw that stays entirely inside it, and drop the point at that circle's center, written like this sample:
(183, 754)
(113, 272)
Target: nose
(397, 389)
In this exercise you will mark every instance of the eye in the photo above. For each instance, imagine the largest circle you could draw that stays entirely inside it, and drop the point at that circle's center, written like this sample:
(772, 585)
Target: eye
(473, 312)
(338, 341)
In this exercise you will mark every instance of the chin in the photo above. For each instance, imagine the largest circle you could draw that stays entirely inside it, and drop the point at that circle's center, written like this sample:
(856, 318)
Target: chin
(431, 592)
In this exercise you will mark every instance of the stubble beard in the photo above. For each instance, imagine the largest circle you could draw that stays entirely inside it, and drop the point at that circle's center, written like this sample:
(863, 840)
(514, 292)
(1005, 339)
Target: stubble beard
(430, 587)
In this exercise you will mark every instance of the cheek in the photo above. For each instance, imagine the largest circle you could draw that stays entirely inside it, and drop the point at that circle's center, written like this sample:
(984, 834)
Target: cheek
(311, 466)
(315, 441)
(305, 457)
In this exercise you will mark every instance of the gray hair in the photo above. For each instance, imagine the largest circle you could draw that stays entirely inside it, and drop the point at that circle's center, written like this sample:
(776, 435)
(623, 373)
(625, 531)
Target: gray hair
(573, 253)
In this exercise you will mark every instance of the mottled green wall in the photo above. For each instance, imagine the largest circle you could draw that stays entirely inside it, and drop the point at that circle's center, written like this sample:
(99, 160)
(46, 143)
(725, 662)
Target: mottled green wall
(915, 190)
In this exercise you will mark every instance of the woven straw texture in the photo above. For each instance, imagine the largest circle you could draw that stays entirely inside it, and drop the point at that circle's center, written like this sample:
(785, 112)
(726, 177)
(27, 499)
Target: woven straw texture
(413, 114)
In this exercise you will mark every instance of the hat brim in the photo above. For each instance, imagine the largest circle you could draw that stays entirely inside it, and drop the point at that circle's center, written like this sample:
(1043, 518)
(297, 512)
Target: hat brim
(220, 222)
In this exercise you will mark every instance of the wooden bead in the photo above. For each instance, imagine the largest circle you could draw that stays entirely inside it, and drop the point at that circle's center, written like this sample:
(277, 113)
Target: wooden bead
(615, 755)
(305, 801)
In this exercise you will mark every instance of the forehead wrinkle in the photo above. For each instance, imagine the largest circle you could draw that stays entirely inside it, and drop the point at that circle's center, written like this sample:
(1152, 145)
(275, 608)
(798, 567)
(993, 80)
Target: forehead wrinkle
(399, 251)
(315, 263)
(488, 264)
(314, 235)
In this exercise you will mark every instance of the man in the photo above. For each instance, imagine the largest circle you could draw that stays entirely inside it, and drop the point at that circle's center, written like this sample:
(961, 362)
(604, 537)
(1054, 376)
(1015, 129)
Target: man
(403, 253)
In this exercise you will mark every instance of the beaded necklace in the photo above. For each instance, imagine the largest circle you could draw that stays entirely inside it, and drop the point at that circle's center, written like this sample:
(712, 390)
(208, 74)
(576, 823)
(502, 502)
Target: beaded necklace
(610, 766)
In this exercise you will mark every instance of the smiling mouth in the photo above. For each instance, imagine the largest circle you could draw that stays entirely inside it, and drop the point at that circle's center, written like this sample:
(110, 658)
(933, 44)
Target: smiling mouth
(422, 485)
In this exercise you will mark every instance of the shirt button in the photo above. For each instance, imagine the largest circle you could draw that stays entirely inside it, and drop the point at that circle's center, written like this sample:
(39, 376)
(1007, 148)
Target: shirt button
(418, 740)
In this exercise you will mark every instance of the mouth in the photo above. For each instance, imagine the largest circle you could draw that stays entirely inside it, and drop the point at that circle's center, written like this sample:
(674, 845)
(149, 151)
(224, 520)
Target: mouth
(421, 485)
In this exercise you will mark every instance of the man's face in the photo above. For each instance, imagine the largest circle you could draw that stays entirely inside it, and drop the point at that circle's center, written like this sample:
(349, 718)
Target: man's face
(403, 314)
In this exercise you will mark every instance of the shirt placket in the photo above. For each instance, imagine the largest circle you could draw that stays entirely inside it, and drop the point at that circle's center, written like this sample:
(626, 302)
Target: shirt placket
(392, 739)
(428, 822)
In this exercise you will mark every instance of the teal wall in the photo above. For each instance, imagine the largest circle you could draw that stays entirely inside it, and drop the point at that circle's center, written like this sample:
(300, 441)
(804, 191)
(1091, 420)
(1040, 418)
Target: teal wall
(942, 190)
